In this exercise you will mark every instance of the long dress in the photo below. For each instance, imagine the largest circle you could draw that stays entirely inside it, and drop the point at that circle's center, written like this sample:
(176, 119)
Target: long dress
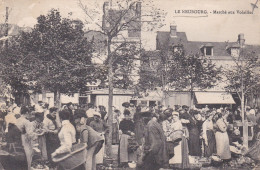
(181, 150)
(101, 127)
(26, 128)
(168, 130)
(139, 127)
(222, 140)
(115, 129)
(126, 126)
(194, 138)
(177, 158)
(209, 136)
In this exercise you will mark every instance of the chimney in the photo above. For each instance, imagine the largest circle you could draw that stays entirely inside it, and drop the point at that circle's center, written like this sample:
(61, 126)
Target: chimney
(241, 40)
(105, 7)
(138, 8)
(173, 30)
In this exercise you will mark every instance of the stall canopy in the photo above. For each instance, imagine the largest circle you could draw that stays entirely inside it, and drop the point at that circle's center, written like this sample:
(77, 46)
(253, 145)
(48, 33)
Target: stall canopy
(214, 98)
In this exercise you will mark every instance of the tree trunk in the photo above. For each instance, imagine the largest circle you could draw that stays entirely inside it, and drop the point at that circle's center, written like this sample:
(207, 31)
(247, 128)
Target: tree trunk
(244, 120)
(110, 98)
(43, 94)
(57, 102)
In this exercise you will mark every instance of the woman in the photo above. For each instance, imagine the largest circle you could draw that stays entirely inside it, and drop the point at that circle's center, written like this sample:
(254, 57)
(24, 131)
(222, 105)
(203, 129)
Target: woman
(27, 137)
(89, 136)
(139, 125)
(194, 134)
(168, 130)
(67, 134)
(115, 132)
(208, 136)
(101, 127)
(182, 158)
(127, 127)
(222, 140)
(50, 125)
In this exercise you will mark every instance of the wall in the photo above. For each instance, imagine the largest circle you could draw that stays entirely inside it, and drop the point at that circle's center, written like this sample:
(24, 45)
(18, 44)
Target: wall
(117, 101)
(177, 98)
(50, 98)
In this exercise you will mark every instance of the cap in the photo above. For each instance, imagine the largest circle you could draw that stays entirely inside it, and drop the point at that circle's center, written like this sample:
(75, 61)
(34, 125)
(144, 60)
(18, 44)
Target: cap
(175, 113)
(97, 114)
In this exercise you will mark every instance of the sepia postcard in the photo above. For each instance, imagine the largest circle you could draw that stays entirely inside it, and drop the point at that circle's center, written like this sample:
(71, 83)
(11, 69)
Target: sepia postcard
(129, 84)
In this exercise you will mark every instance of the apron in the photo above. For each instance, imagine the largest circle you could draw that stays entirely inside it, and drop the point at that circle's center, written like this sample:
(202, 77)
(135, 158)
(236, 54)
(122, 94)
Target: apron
(101, 153)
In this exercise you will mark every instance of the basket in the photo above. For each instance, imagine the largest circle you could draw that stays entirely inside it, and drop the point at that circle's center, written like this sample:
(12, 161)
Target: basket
(73, 159)
(176, 135)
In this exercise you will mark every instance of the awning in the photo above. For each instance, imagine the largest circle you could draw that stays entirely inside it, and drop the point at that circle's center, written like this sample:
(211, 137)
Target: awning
(214, 98)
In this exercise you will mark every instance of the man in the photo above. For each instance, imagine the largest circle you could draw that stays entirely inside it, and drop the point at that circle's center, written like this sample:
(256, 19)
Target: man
(71, 110)
(155, 146)
(90, 113)
(89, 136)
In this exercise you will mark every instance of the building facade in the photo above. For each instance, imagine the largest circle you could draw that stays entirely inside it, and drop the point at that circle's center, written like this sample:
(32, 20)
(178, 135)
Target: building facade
(222, 54)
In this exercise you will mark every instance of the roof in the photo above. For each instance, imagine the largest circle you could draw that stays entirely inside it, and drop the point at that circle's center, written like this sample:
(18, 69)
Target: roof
(164, 41)
(219, 48)
(130, 16)
(116, 91)
(98, 38)
(13, 30)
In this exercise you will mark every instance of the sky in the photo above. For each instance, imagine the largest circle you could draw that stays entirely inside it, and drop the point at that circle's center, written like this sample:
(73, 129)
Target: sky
(198, 27)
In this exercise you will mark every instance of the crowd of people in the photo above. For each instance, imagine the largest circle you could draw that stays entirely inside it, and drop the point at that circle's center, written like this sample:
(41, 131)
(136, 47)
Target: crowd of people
(179, 135)
(147, 137)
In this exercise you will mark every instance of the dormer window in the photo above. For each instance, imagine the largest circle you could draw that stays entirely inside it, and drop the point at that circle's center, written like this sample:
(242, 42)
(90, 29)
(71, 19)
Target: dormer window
(234, 52)
(177, 48)
(207, 49)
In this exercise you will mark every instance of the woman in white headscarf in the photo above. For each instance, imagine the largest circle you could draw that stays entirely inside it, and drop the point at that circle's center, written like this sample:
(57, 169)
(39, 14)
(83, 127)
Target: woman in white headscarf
(222, 140)
(181, 157)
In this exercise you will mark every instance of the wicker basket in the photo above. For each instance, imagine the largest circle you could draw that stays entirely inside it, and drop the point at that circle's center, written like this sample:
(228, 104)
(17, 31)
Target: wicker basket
(73, 159)
(176, 135)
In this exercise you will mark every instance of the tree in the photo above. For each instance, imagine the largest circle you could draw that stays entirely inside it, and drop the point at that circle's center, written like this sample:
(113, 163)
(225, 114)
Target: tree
(190, 71)
(152, 72)
(244, 77)
(54, 56)
(124, 18)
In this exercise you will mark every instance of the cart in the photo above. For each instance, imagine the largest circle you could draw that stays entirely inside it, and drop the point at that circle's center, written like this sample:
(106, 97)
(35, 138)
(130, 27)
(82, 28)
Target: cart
(73, 159)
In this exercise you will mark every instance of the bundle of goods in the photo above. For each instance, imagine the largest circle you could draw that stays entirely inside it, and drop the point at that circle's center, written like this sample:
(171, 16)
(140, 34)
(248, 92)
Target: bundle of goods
(72, 159)
(39, 165)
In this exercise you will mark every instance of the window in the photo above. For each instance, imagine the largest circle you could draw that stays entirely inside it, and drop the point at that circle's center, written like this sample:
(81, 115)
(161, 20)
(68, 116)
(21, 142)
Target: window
(177, 48)
(235, 52)
(208, 50)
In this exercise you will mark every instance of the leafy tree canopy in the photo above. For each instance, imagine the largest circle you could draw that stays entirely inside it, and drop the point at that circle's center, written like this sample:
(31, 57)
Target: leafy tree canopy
(54, 55)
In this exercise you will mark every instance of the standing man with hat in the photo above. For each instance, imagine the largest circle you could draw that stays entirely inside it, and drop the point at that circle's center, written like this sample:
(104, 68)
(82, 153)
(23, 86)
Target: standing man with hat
(101, 127)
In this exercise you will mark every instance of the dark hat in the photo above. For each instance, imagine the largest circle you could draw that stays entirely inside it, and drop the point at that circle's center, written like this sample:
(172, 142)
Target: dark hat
(127, 112)
(126, 104)
(79, 113)
(193, 112)
(185, 107)
(53, 109)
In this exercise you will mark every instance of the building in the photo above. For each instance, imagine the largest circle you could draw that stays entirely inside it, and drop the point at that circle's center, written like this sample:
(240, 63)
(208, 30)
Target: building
(220, 53)
(125, 24)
